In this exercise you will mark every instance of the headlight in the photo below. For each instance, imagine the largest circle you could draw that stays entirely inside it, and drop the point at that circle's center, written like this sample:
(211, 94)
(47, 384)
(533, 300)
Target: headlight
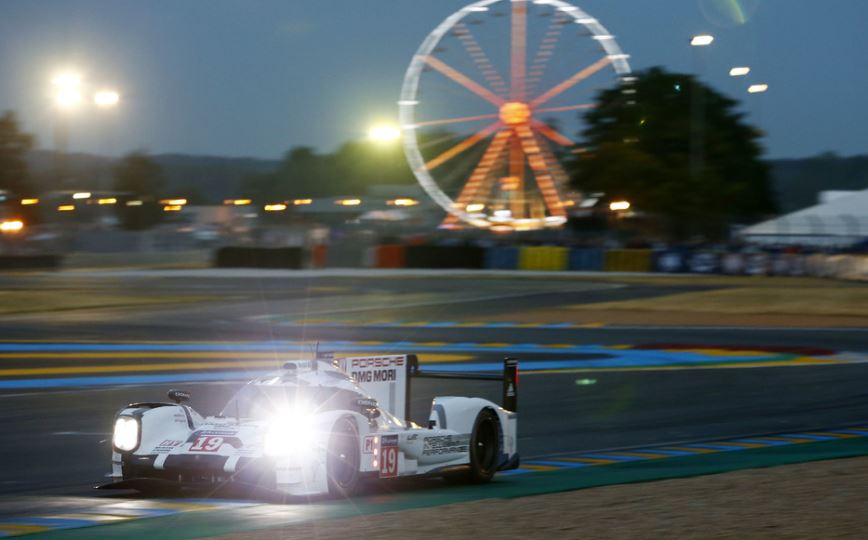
(290, 432)
(126, 434)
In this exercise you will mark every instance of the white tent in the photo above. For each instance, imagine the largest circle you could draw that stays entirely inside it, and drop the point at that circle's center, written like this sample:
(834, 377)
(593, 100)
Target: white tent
(842, 221)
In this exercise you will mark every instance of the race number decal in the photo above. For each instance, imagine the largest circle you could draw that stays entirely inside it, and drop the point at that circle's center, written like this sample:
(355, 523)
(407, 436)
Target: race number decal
(370, 444)
(389, 456)
(206, 444)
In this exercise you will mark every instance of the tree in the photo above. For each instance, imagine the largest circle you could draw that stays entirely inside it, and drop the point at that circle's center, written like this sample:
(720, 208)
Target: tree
(141, 178)
(139, 175)
(638, 147)
(14, 145)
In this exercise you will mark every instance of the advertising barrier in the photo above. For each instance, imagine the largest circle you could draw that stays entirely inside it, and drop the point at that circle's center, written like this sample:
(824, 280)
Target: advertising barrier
(389, 256)
(472, 257)
(29, 262)
(670, 261)
(586, 259)
(543, 258)
(347, 254)
(252, 257)
(501, 258)
(628, 260)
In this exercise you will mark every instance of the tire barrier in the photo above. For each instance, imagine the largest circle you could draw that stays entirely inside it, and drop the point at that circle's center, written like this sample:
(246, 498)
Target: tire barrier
(30, 262)
(471, 257)
(543, 258)
(252, 257)
(628, 260)
(501, 258)
(586, 259)
(389, 256)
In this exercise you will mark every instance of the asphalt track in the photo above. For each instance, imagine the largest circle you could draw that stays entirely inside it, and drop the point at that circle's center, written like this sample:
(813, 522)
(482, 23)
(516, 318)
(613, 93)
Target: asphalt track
(56, 435)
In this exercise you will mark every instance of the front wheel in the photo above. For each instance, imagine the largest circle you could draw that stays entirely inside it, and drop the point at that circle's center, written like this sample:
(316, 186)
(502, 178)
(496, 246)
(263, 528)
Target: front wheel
(342, 463)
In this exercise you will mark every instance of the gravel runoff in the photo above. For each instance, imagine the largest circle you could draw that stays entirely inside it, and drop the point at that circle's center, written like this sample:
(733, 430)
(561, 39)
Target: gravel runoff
(826, 499)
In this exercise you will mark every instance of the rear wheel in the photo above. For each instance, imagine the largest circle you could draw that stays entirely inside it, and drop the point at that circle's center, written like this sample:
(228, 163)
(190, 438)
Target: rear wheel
(484, 450)
(342, 464)
(484, 447)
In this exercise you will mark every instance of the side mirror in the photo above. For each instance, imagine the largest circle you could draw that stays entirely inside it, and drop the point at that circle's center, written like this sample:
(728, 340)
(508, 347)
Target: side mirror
(368, 408)
(179, 396)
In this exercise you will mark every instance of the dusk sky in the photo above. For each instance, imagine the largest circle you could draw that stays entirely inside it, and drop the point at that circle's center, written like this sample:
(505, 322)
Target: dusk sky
(256, 77)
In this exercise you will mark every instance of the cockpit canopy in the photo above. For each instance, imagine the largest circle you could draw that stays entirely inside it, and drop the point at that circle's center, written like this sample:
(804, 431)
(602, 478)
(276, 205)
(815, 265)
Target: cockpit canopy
(259, 402)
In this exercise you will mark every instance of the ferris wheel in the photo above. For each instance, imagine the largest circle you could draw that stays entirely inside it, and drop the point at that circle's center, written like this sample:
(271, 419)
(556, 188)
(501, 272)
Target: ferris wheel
(483, 102)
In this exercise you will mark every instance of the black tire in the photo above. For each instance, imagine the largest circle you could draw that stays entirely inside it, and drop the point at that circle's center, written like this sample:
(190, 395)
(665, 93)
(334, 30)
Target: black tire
(342, 462)
(484, 447)
(484, 451)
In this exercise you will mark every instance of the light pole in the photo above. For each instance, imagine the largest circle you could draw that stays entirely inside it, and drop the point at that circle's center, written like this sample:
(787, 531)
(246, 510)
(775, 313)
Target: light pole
(697, 106)
(106, 100)
(67, 97)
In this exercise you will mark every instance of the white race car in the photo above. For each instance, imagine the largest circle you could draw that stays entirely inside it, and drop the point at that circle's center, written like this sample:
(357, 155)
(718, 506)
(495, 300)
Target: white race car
(317, 427)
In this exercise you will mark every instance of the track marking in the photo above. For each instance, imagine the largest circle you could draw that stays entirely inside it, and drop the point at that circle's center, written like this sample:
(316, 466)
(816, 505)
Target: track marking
(603, 458)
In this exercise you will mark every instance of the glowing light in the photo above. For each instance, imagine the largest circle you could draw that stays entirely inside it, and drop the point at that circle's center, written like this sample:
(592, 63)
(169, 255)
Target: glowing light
(11, 226)
(701, 40)
(302, 202)
(238, 202)
(106, 98)
(172, 208)
(108, 200)
(757, 88)
(133, 203)
(67, 94)
(739, 71)
(290, 432)
(475, 207)
(126, 433)
(174, 202)
(67, 98)
(403, 202)
(279, 207)
(81, 195)
(66, 208)
(384, 133)
(348, 202)
(515, 113)
(66, 80)
(27, 202)
(619, 206)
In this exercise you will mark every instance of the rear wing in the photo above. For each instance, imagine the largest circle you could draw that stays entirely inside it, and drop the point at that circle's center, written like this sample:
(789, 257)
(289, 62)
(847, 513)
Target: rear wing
(387, 379)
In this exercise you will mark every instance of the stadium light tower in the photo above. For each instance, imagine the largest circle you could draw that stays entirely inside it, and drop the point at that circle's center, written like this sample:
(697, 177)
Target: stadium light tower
(67, 90)
(384, 133)
(701, 40)
(106, 99)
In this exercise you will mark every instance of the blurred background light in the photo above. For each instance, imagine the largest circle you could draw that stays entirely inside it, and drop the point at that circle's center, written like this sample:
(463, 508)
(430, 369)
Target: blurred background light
(701, 40)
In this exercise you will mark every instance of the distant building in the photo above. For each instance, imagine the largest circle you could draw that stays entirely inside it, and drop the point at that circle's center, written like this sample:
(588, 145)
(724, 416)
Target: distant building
(839, 220)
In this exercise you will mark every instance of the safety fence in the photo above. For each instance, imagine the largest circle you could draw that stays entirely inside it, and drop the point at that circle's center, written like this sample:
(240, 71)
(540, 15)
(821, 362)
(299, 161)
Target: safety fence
(550, 258)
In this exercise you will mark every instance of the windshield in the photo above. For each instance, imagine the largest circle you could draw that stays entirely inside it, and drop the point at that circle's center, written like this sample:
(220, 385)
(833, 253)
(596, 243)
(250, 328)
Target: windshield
(258, 402)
